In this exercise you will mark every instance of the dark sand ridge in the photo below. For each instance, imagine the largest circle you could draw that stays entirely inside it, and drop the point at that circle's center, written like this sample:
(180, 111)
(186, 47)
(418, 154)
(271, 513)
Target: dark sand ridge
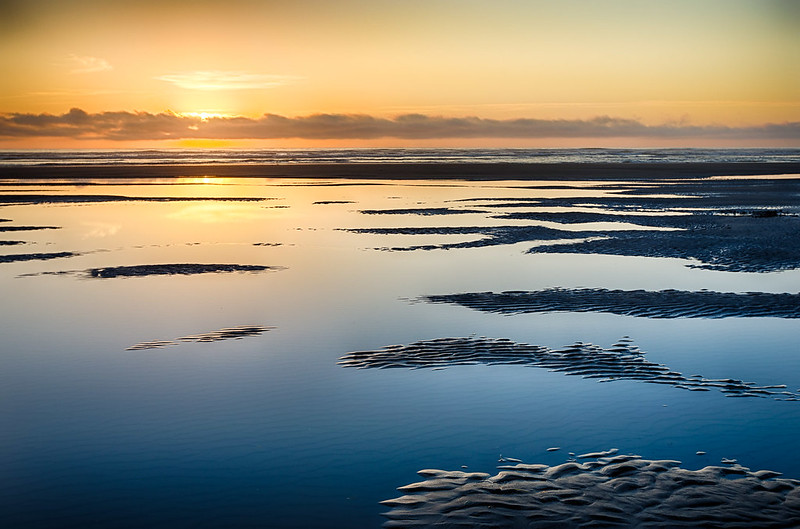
(175, 269)
(395, 171)
(622, 361)
(28, 228)
(728, 226)
(621, 491)
(641, 303)
(420, 211)
(13, 258)
(228, 333)
(6, 200)
(10, 243)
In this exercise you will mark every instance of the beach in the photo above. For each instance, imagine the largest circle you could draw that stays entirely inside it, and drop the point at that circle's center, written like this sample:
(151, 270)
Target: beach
(552, 343)
(413, 171)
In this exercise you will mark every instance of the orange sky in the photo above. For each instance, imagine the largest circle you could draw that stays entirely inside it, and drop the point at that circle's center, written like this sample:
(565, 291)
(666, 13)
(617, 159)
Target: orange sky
(723, 68)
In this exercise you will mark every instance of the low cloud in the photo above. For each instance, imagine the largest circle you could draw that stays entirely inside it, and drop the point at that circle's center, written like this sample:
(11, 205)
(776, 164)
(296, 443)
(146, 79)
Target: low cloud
(222, 80)
(86, 64)
(125, 126)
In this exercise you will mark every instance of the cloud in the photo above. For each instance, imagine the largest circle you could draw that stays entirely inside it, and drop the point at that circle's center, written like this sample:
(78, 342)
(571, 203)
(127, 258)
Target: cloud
(86, 64)
(221, 80)
(169, 125)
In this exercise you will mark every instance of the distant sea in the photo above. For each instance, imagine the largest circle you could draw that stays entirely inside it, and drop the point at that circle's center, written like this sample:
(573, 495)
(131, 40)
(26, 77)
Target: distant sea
(318, 156)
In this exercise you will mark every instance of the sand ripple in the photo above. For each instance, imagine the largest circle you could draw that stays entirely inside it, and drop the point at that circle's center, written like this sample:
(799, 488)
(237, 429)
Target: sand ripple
(28, 228)
(228, 333)
(175, 269)
(420, 211)
(12, 258)
(621, 361)
(727, 226)
(621, 491)
(641, 303)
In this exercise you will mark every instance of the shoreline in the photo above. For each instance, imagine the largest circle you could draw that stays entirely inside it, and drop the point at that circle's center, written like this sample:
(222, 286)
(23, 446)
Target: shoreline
(415, 171)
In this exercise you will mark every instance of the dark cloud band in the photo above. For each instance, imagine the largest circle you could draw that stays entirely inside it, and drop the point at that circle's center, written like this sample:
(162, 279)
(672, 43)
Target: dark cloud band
(164, 126)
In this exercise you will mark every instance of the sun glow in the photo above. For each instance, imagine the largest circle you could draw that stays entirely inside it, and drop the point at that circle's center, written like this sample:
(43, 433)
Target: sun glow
(204, 116)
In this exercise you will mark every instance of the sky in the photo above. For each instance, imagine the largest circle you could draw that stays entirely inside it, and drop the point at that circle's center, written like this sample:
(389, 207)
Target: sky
(399, 73)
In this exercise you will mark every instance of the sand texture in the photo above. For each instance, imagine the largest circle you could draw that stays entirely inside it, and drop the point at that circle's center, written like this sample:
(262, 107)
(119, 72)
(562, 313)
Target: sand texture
(622, 491)
(228, 333)
(28, 228)
(12, 258)
(621, 361)
(640, 303)
(174, 269)
(726, 225)
(27, 199)
(399, 171)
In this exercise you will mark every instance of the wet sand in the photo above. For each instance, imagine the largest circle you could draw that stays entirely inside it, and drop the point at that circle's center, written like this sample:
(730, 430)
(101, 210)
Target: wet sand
(13, 258)
(27, 199)
(620, 491)
(228, 333)
(174, 269)
(621, 361)
(399, 171)
(640, 303)
(736, 225)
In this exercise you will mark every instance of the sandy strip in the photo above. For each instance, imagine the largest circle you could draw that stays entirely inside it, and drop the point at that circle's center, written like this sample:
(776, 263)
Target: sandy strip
(621, 491)
(400, 171)
(174, 269)
(6, 199)
(228, 333)
(621, 361)
(641, 303)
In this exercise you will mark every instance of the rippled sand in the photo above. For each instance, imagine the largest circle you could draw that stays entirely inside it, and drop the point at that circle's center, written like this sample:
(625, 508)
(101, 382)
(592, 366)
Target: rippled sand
(620, 491)
(715, 225)
(641, 303)
(622, 361)
(174, 269)
(228, 333)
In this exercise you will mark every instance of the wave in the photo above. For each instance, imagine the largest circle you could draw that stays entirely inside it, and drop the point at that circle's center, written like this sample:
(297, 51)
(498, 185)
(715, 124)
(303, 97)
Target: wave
(345, 156)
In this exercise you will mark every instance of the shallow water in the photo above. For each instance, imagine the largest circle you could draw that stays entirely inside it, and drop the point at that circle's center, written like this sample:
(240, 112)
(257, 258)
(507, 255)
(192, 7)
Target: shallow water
(267, 430)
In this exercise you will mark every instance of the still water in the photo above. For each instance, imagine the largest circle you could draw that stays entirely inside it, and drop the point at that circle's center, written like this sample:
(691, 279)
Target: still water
(268, 430)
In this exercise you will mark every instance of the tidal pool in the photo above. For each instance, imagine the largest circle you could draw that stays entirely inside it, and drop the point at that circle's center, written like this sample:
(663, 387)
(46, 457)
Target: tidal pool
(239, 427)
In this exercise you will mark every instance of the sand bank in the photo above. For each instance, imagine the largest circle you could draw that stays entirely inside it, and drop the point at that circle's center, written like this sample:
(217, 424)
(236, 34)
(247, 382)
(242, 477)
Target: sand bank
(621, 361)
(27, 199)
(726, 225)
(400, 171)
(640, 303)
(174, 269)
(620, 491)
(228, 333)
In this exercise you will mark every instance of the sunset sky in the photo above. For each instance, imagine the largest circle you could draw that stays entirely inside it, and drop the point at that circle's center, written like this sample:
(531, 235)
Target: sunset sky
(172, 73)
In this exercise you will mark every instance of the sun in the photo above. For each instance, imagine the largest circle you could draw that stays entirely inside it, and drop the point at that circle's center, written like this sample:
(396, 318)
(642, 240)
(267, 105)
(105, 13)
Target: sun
(204, 116)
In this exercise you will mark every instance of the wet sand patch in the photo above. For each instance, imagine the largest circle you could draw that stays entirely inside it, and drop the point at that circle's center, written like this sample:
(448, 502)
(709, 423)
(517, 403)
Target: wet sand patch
(420, 211)
(11, 243)
(27, 199)
(491, 235)
(739, 228)
(13, 258)
(228, 333)
(28, 228)
(621, 361)
(175, 269)
(640, 303)
(620, 491)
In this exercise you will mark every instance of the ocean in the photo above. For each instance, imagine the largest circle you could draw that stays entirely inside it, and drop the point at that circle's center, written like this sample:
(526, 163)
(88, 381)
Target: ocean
(346, 156)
